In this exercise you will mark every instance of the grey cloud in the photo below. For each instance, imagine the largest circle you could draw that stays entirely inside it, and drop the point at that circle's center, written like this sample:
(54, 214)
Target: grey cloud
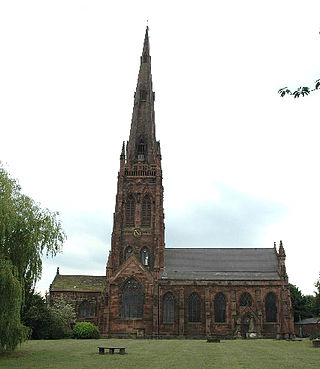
(236, 220)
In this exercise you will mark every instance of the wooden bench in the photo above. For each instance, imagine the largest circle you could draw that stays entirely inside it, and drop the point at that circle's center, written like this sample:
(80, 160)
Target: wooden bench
(122, 350)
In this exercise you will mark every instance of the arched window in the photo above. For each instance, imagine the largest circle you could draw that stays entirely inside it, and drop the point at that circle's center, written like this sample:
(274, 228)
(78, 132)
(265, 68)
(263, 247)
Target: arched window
(145, 257)
(168, 308)
(146, 212)
(130, 211)
(84, 309)
(132, 300)
(128, 252)
(220, 308)
(141, 149)
(194, 307)
(271, 307)
(245, 299)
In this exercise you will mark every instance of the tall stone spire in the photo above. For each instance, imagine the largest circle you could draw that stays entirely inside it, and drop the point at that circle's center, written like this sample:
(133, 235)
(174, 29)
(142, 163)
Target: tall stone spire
(142, 146)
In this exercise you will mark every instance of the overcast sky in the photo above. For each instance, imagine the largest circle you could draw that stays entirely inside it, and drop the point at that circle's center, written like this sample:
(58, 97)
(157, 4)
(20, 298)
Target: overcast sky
(240, 164)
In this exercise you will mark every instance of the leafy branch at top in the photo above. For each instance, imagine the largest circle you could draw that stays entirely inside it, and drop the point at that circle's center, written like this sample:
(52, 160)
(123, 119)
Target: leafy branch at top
(301, 91)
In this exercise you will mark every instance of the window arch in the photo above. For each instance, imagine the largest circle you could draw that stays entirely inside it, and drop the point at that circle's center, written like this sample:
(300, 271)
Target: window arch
(141, 148)
(168, 308)
(194, 307)
(245, 299)
(132, 300)
(146, 212)
(130, 211)
(145, 257)
(220, 304)
(128, 252)
(84, 309)
(271, 307)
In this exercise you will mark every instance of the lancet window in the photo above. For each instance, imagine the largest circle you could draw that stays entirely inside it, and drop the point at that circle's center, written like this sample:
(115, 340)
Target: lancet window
(128, 252)
(245, 299)
(194, 307)
(130, 211)
(220, 305)
(145, 257)
(132, 300)
(146, 212)
(141, 149)
(168, 308)
(271, 307)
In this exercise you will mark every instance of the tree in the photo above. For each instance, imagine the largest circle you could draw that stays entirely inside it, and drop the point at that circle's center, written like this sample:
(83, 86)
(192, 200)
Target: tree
(63, 312)
(317, 298)
(26, 233)
(300, 91)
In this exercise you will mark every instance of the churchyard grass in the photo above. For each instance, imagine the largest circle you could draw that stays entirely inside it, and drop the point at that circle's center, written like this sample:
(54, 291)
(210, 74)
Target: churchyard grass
(164, 354)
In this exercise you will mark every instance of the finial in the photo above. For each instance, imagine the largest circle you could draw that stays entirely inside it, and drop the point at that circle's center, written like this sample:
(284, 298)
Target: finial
(58, 271)
(274, 245)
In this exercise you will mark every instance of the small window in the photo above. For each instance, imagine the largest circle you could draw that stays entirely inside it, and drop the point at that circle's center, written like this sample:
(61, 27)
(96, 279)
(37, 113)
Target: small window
(145, 257)
(106, 300)
(84, 309)
(168, 308)
(143, 95)
(271, 307)
(245, 299)
(220, 308)
(128, 252)
(194, 306)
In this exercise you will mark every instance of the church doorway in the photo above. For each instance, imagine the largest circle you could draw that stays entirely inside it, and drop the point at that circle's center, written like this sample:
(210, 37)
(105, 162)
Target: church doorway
(248, 326)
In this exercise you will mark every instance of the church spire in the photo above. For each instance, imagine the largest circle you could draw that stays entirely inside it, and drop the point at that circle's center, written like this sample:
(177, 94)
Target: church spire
(142, 146)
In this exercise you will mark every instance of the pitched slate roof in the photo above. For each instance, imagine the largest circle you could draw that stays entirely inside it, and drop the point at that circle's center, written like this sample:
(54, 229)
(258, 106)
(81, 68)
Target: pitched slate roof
(85, 283)
(221, 264)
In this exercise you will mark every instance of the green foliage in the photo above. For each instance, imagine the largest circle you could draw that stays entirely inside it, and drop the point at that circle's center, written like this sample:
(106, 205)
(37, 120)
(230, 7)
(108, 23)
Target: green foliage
(317, 298)
(12, 332)
(37, 316)
(26, 230)
(63, 312)
(85, 330)
(300, 91)
(315, 335)
(26, 233)
(300, 304)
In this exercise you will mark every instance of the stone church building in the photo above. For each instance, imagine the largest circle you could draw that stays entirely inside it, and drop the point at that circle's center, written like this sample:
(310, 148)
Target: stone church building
(153, 291)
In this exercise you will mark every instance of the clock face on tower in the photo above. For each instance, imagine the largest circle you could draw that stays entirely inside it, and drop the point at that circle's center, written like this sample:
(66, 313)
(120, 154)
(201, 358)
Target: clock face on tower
(137, 232)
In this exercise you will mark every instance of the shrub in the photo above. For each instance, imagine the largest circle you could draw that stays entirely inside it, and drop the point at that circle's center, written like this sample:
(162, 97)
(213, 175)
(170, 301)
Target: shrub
(85, 330)
(315, 335)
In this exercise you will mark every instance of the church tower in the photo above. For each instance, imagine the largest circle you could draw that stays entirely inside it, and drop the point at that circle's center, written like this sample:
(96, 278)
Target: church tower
(138, 228)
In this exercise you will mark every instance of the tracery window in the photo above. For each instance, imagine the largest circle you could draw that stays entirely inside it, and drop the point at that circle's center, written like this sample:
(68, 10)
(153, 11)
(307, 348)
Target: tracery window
(132, 300)
(271, 307)
(128, 252)
(145, 257)
(245, 299)
(220, 304)
(141, 149)
(130, 211)
(168, 308)
(194, 307)
(146, 212)
(84, 309)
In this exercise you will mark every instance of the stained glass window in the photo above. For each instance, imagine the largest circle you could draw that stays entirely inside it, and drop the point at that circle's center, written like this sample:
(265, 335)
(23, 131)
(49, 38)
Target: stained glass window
(220, 308)
(271, 307)
(194, 306)
(245, 299)
(84, 309)
(132, 300)
(168, 308)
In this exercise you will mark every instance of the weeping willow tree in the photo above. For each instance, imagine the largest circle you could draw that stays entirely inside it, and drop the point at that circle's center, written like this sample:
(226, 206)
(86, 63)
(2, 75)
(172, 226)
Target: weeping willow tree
(27, 232)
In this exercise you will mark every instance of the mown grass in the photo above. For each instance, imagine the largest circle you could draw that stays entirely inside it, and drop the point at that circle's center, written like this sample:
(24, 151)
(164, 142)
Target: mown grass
(164, 354)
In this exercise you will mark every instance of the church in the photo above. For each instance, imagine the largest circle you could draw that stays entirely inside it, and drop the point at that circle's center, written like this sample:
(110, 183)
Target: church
(156, 292)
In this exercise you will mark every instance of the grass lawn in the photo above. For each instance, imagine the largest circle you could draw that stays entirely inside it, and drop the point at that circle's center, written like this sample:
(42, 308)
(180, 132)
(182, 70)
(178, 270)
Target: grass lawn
(164, 354)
